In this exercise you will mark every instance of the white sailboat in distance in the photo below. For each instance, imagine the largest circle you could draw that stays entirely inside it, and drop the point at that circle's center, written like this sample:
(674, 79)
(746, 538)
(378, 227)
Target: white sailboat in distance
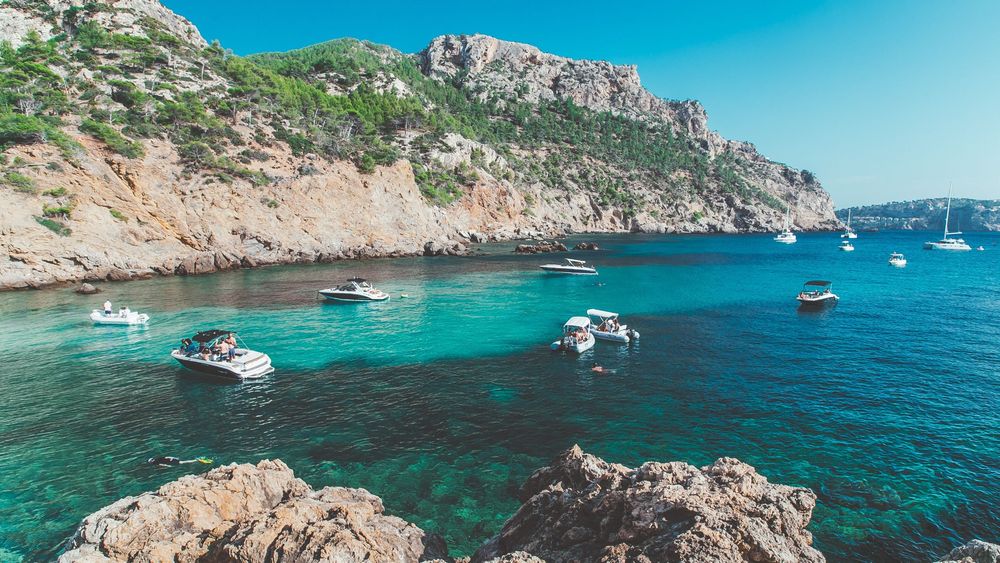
(947, 243)
(786, 236)
(848, 231)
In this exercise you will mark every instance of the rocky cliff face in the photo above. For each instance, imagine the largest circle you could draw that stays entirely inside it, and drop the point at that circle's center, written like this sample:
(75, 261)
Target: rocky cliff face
(926, 214)
(133, 148)
(580, 509)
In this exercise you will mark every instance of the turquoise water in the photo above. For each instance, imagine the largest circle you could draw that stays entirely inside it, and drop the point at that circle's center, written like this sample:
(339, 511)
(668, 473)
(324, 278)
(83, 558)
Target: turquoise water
(888, 406)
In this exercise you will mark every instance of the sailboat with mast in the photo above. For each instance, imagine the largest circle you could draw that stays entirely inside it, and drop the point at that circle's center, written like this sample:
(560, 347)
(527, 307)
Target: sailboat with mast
(848, 231)
(947, 243)
(786, 236)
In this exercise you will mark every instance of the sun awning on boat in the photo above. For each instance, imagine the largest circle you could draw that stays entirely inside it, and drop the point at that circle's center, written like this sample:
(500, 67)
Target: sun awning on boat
(820, 283)
(582, 322)
(209, 335)
(600, 313)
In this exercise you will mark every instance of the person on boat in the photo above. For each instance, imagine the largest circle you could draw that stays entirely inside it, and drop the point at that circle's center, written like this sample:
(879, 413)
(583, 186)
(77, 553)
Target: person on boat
(189, 348)
(206, 353)
(231, 340)
(107, 308)
(222, 348)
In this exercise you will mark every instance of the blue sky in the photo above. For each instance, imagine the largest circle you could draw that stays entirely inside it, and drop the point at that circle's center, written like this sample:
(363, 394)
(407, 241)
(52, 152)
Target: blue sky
(883, 100)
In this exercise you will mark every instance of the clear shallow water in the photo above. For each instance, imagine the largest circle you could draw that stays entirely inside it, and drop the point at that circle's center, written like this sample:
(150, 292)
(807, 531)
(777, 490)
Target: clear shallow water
(887, 406)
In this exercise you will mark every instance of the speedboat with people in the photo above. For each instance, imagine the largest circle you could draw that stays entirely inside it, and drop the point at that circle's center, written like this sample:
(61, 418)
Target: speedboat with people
(846, 246)
(606, 326)
(786, 236)
(571, 266)
(124, 316)
(947, 243)
(816, 294)
(220, 352)
(897, 260)
(355, 290)
(576, 336)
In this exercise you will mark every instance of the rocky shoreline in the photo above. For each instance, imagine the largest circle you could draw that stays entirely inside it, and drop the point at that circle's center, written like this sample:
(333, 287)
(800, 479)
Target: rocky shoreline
(580, 508)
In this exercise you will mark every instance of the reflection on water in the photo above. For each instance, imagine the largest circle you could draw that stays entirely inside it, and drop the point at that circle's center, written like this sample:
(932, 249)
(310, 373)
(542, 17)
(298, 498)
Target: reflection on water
(444, 402)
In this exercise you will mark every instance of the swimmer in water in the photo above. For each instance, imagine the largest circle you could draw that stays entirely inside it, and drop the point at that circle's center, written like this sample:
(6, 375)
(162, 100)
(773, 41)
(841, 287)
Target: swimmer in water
(166, 461)
(597, 368)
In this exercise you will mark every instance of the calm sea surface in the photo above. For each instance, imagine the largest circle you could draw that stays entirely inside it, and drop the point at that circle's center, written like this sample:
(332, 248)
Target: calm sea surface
(887, 406)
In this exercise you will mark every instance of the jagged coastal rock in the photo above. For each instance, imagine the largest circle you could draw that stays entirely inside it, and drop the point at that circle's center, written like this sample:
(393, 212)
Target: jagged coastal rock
(541, 247)
(580, 508)
(249, 513)
(976, 551)
(163, 155)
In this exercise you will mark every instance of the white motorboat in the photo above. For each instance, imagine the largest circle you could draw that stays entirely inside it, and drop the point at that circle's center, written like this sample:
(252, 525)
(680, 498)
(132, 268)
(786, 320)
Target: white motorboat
(605, 325)
(571, 266)
(816, 294)
(786, 236)
(898, 260)
(355, 290)
(205, 354)
(980, 247)
(846, 246)
(576, 336)
(947, 243)
(848, 231)
(124, 317)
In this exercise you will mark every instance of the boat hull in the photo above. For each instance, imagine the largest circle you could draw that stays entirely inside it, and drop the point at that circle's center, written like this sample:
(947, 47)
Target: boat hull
(132, 319)
(621, 336)
(556, 269)
(577, 347)
(353, 298)
(817, 302)
(897, 263)
(952, 247)
(251, 365)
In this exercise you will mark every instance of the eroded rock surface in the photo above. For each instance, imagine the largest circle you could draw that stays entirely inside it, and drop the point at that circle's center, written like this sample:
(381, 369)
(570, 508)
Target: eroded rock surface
(249, 513)
(976, 551)
(582, 508)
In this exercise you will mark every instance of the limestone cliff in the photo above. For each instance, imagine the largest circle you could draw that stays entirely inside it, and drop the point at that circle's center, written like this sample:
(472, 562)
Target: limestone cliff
(579, 509)
(131, 147)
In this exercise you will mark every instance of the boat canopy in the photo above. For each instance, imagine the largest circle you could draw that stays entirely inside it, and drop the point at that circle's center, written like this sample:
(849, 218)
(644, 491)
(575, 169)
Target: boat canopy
(577, 322)
(819, 283)
(575, 262)
(210, 335)
(602, 314)
(358, 280)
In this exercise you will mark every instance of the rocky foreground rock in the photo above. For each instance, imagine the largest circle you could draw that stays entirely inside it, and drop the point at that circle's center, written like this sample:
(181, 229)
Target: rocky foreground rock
(976, 551)
(580, 508)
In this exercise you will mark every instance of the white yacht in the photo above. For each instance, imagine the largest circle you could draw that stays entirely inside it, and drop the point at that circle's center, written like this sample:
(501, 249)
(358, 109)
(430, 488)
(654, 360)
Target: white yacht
(355, 290)
(605, 325)
(125, 317)
(897, 260)
(786, 236)
(817, 294)
(846, 246)
(202, 352)
(947, 243)
(571, 266)
(848, 231)
(576, 336)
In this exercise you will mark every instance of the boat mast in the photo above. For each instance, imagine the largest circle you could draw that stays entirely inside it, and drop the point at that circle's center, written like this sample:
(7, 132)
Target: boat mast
(947, 214)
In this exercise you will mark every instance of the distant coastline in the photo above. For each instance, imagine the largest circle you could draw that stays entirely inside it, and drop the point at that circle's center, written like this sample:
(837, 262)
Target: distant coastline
(925, 215)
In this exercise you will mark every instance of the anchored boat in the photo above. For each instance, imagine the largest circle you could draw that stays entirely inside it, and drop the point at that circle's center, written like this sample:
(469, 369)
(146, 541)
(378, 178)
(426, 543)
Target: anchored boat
(214, 352)
(572, 266)
(605, 325)
(576, 336)
(355, 290)
(786, 236)
(947, 243)
(898, 260)
(816, 294)
(846, 246)
(125, 317)
(848, 231)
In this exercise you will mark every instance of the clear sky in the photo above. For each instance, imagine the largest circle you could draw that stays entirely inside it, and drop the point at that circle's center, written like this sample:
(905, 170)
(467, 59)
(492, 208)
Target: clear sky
(883, 99)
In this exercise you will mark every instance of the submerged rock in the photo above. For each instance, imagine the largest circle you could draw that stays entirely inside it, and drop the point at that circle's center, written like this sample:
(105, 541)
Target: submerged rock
(976, 551)
(87, 289)
(249, 513)
(541, 247)
(586, 246)
(582, 508)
